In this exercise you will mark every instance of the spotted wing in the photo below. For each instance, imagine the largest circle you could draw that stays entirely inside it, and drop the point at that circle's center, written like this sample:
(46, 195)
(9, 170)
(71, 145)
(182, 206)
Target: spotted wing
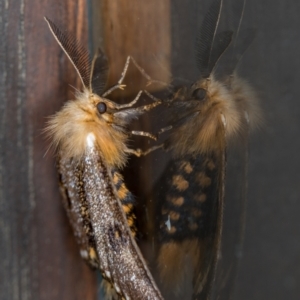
(190, 220)
(206, 271)
(234, 219)
(119, 257)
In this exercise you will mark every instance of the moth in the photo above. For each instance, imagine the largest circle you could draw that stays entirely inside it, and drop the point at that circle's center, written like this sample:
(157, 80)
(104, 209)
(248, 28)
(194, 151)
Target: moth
(237, 163)
(205, 118)
(90, 134)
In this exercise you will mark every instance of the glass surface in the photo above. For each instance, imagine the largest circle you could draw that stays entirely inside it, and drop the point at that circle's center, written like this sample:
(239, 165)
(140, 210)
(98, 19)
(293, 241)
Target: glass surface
(225, 257)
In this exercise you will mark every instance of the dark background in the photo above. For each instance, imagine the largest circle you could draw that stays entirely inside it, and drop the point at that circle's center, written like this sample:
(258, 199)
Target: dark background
(38, 255)
(270, 268)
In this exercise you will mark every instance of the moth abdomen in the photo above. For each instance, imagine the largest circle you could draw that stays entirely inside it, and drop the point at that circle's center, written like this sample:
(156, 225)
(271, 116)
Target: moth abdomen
(126, 199)
(185, 210)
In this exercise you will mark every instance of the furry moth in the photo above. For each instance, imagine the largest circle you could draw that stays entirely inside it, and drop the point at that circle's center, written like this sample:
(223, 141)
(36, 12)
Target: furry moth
(90, 134)
(251, 117)
(205, 118)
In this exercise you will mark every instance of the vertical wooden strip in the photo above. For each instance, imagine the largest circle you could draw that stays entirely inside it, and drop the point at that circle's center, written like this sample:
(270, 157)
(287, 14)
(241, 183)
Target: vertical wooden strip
(140, 29)
(38, 255)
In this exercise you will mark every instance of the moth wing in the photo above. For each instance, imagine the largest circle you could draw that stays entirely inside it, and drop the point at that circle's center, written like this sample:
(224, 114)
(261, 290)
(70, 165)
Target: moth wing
(99, 73)
(71, 188)
(77, 54)
(190, 194)
(234, 222)
(121, 261)
(205, 274)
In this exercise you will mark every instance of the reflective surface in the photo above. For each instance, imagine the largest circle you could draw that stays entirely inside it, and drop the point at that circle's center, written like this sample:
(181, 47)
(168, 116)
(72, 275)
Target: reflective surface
(269, 258)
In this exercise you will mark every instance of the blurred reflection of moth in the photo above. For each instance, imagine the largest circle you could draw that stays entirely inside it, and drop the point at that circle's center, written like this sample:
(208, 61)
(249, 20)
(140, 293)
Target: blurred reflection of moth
(205, 118)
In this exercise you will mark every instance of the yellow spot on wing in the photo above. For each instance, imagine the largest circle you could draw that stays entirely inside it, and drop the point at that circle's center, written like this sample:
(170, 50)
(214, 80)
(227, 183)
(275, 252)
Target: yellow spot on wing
(122, 192)
(127, 208)
(130, 221)
(186, 166)
(203, 179)
(178, 201)
(174, 216)
(172, 230)
(180, 183)
(201, 198)
(211, 165)
(92, 253)
(117, 178)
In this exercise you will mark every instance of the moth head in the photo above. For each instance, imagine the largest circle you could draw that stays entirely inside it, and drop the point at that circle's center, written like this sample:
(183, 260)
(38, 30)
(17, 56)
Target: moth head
(101, 109)
(206, 118)
(89, 113)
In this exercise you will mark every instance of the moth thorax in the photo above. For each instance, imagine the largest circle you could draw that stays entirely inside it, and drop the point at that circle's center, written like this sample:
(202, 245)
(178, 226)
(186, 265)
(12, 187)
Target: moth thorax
(224, 108)
(218, 120)
(70, 127)
(247, 102)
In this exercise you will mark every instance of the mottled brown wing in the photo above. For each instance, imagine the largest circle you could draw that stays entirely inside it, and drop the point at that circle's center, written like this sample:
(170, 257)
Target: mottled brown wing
(120, 259)
(75, 204)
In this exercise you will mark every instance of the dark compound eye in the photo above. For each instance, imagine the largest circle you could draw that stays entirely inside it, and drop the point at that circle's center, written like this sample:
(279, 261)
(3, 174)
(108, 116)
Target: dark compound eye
(199, 94)
(101, 106)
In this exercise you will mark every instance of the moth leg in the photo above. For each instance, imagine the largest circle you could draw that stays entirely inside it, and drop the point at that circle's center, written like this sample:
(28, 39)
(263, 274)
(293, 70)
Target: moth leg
(164, 129)
(144, 133)
(148, 107)
(152, 97)
(142, 108)
(130, 104)
(149, 79)
(135, 100)
(140, 152)
(119, 85)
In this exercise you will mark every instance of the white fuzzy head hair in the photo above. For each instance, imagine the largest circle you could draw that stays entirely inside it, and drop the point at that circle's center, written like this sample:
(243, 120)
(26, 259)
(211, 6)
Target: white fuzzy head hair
(89, 113)
(209, 116)
(206, 115)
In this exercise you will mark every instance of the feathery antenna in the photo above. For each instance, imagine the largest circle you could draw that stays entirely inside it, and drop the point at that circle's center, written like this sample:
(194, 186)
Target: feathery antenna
(77, 54)
(205, 40)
